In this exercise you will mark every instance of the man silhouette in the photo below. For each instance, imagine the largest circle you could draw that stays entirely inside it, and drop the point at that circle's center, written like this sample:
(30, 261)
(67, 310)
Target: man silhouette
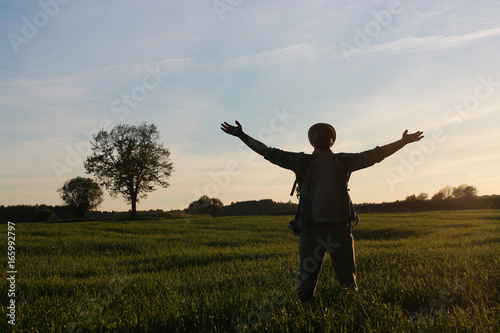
(325, 215)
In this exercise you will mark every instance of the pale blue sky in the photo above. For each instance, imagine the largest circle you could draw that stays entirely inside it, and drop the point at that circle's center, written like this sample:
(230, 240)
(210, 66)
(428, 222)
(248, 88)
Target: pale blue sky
(370, 68)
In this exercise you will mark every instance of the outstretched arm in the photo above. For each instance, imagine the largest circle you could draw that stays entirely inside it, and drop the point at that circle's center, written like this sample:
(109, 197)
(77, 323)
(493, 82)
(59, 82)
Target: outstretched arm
(237, 131)
(391, 148)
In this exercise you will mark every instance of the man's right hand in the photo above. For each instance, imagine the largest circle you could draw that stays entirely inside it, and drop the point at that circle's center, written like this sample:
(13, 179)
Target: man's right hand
(237, 131)
(233, 130)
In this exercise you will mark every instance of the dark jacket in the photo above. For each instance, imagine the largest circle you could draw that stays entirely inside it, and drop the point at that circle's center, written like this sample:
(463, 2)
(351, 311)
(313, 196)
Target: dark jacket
(305, 165)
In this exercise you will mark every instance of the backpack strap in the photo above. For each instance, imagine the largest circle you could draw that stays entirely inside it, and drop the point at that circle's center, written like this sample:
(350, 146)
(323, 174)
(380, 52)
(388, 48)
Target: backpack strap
(301, 172)
(354, 218)
(293, 187)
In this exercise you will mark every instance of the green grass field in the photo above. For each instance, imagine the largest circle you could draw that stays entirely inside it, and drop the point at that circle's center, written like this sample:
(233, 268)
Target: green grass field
(417, 272)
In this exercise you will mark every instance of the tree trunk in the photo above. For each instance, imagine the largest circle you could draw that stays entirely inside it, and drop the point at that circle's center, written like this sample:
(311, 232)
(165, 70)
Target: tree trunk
(134, 203)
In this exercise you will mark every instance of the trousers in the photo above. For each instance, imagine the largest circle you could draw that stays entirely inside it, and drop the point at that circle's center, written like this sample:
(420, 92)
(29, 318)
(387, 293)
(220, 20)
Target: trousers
(314, 243)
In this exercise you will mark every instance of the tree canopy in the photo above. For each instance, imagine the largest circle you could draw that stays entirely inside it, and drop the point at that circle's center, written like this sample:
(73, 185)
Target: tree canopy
(81, 194)
(206, 205)
(442, 194)
(464, 191)
(130, 161)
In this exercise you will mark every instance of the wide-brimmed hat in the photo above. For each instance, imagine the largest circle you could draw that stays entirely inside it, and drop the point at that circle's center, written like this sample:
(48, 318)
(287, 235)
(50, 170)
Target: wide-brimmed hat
(315, 126)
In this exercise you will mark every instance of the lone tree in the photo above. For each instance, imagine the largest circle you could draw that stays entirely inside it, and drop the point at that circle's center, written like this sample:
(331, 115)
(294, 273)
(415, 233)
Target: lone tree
(81, 194)
(206, 205)
(130, 161)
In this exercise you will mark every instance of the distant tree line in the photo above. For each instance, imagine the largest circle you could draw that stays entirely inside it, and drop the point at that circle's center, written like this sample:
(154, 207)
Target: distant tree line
(484, 202)
(447, 198)
(260, 207)
(46, 213)
(463, 191)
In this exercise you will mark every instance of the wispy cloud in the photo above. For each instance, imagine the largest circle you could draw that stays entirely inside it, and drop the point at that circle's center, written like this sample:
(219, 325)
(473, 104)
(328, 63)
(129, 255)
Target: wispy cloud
(61, 90)
(428, 44)
(89, 84)
(294, 53)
